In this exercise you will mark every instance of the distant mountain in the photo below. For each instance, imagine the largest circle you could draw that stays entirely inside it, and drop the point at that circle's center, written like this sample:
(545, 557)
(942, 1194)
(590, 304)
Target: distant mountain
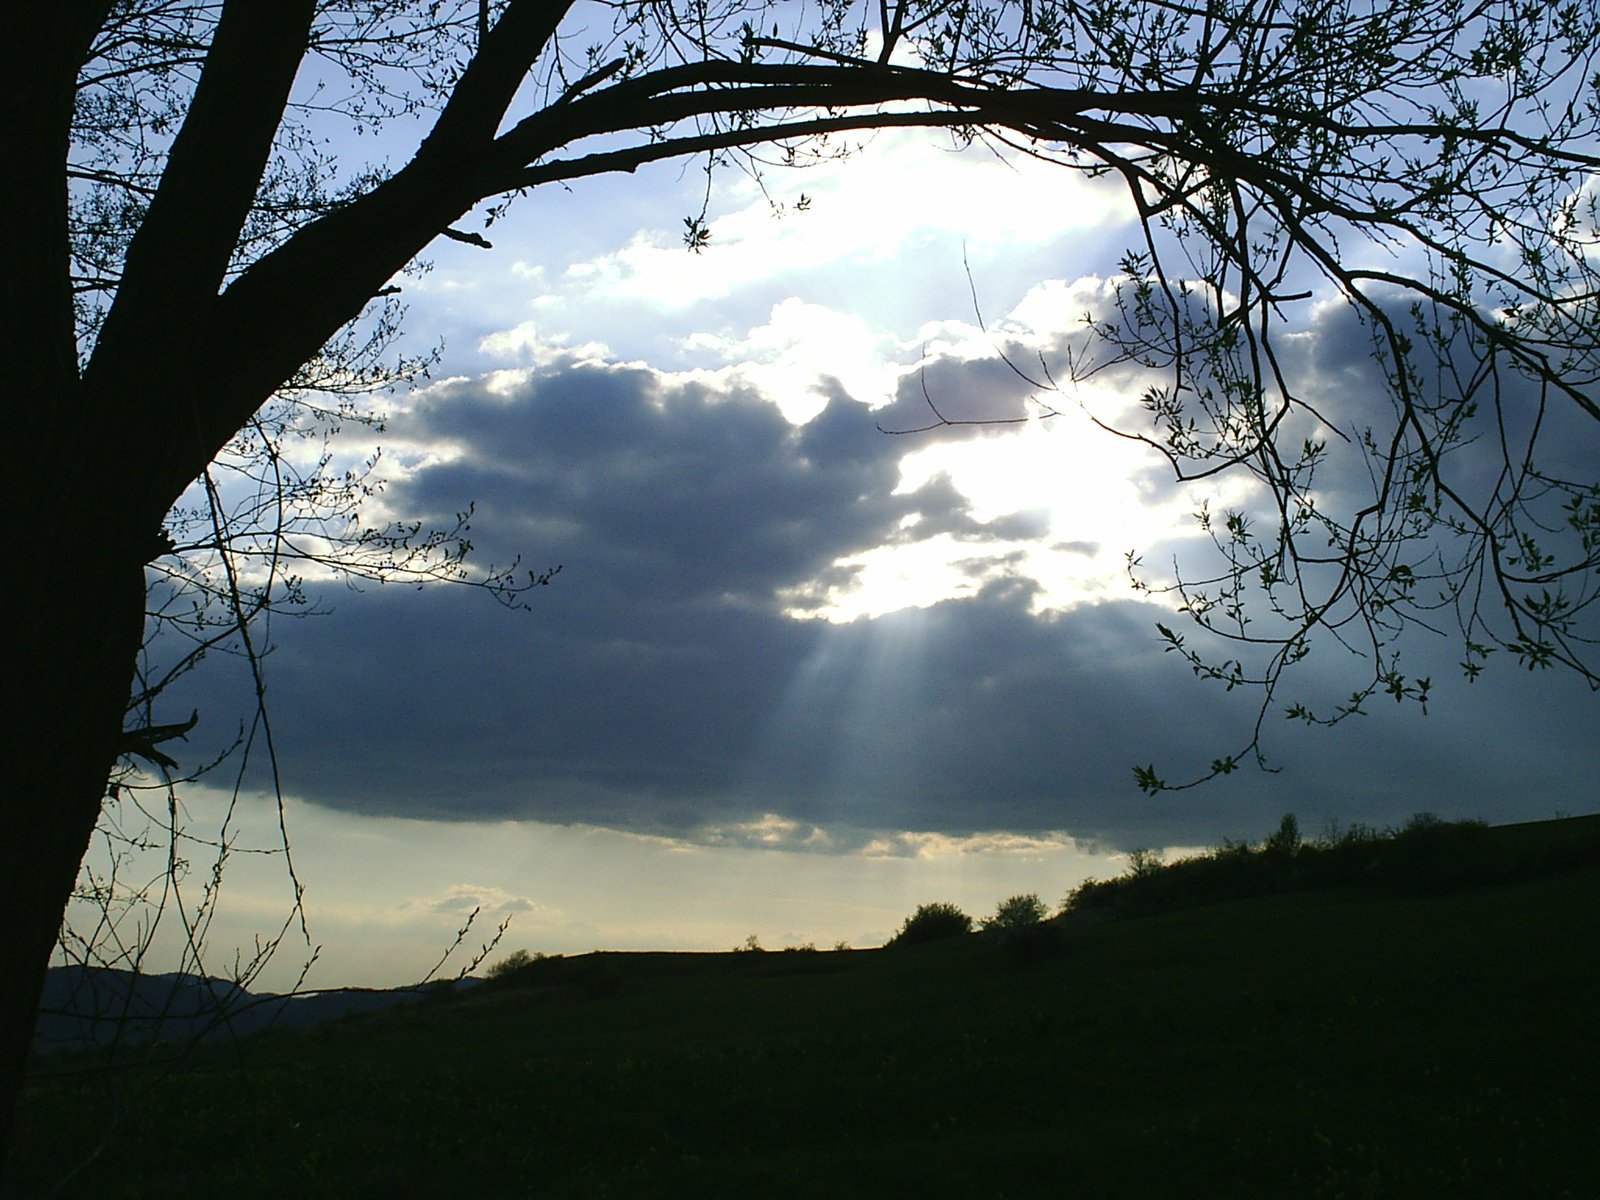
(89, 1006)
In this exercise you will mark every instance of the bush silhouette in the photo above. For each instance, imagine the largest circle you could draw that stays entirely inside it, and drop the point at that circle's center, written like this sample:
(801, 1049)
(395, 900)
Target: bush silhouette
(1019, 912)
(1286, 839)
(930, 923)
(510, 964)
(1020, 926)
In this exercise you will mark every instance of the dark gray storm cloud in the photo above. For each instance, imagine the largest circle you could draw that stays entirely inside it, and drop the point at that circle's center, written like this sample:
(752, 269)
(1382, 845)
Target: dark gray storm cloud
(669, 495)
(660, 686)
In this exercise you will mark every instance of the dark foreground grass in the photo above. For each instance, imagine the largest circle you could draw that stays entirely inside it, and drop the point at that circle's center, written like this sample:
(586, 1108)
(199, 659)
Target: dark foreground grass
(1325, 1043)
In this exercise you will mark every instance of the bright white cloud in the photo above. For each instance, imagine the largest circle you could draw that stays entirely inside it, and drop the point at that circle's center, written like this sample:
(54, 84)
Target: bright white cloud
(1084, 483)
(945, 846)
(1081, 480)
(914, 574)
(1054, 306)
(898, 194)
(801, 345)
(1078, 480)
(530, 344)
(770, 831)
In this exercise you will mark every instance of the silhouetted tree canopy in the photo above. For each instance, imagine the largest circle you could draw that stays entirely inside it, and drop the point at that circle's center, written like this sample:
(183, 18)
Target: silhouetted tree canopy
(188, 278)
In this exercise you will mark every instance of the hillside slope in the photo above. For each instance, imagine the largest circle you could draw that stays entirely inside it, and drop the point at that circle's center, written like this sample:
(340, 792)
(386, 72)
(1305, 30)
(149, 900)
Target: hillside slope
(1345, 1042)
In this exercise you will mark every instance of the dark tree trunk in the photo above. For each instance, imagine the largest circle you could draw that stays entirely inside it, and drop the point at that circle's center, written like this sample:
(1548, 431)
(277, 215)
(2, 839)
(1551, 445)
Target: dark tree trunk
(72, 640)
(74, 604)
(93, 463)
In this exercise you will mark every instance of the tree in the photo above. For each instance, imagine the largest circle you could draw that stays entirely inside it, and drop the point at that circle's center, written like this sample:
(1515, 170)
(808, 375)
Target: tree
(931, 923)
(176, 254)
(1017, 912)
(510, 965)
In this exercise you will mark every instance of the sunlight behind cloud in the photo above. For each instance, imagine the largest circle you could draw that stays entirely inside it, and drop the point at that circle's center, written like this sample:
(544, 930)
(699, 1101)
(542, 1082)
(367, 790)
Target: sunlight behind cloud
(789, 358)
(528, 343)
(1061, 502)
(1091, 493)
(857, 211)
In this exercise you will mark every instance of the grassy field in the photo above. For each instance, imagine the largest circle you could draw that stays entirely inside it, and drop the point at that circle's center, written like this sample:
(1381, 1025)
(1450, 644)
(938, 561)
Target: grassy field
(1343, 1042)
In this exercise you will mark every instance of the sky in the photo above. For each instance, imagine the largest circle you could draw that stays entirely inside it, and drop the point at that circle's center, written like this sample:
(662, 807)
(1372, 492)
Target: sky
(798, 672)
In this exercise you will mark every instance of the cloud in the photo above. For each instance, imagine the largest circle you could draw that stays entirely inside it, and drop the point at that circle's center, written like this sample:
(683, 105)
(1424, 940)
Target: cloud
(802, 354)
(527, 344)
(463, 899)
(768, 831)
(749, 728)
(664, 685)
(653, 487)
(858, 214)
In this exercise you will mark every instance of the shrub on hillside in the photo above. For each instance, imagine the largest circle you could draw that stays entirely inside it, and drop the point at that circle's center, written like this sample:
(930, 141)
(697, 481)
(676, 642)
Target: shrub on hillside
(1018, 912)
(930, 923)
(516, 968)
(1144, 863)
(509, 965)
(1286, 839)
(1021, 927)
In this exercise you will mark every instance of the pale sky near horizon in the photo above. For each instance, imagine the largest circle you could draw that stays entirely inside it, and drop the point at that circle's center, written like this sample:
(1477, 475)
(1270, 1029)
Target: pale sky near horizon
(797, 675)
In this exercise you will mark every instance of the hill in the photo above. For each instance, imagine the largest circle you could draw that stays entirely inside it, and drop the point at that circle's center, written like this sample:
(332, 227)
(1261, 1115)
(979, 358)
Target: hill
(1335, 1041)
(84, 1006)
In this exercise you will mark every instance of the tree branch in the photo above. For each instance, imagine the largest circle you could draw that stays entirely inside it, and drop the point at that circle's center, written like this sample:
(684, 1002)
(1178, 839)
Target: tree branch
(37, 335)
(479, 100)
(634, 157)
(471, 239)
(176, 262)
